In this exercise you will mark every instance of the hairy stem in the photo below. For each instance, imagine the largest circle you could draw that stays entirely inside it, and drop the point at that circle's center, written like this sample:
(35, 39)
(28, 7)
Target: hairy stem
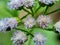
(38, 9)
(32, 11)
(26, 10)
(30, 38)
(53, 11)
(25, 16)
(25, 31)
(46, 10)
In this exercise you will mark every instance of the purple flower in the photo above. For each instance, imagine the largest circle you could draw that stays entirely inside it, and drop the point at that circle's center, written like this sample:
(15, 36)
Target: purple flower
(44, 21)
(57, 26)
(29, 22)
(10, 22)
(47, 2)
(15, 4)
(39, 39)
(19, 38)
(28, 3)
(3, 26)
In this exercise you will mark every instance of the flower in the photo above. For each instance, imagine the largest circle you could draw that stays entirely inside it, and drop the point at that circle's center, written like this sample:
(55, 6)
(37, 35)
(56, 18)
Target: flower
(29, 22)
(19, 38)
(39, 39)
(3, 26)
(28, 3)
(10, 22)
(47, 2)
(15, 4)
(44, 21)
(57, 26)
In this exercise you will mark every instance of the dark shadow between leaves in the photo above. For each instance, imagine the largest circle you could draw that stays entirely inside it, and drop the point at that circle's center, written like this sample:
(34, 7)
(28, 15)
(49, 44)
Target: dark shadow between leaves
(58, 37)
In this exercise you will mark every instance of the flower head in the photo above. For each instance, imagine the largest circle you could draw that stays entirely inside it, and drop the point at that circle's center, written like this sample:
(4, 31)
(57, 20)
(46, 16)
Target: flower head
(15, 4)
(57, 26)
(29, 22)
(19, 38)
(3, 26)
(10, 22)
(39, 39)
(28, 3)
(44, 21)
(47, 2)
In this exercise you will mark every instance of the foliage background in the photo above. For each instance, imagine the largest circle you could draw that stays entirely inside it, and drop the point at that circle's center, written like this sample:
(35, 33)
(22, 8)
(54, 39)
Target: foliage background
(5, 37)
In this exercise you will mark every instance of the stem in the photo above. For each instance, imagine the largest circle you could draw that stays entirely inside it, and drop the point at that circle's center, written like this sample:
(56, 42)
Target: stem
(26, 10)
(25, 31)
(38, 9)
(29, 43)
(50, 29)
(32, 11)
(53, 11)
(25, 16)
(46, 10)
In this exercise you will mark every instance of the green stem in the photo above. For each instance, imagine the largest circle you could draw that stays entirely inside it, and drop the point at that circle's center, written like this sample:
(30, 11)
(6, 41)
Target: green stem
(29, 42)
(32, 11)
(26, 10)
(50, 29)
(53, 29)
(25, 31)
(46, 10)
(38, 9)
(53, 11)
(25, 16)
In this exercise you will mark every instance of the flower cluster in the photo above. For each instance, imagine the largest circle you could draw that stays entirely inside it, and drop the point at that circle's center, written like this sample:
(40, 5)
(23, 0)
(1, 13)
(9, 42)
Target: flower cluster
(29, 22)
(8, 23)
(39, 39)
(29, 3)
(57, 26)
(43, 21)
(2, 26)
(19, 38)
(15, 4)
(47, 2)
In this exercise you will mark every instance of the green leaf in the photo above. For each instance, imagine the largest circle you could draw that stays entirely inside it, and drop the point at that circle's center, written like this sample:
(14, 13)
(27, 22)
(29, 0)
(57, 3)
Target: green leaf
(28, 42)
(5, 37)
(23, 28)
(3, 12)
(51, 27)
(52, 37)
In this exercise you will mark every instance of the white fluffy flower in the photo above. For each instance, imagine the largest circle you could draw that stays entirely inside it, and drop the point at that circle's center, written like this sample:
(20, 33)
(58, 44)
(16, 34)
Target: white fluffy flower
(44, 21)
(19, 38)
(39, 39)
(29, 22)
(47, 2)
(28, 3)
(3, 26)
(57, 26)
(15, 4)
(10, 22)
